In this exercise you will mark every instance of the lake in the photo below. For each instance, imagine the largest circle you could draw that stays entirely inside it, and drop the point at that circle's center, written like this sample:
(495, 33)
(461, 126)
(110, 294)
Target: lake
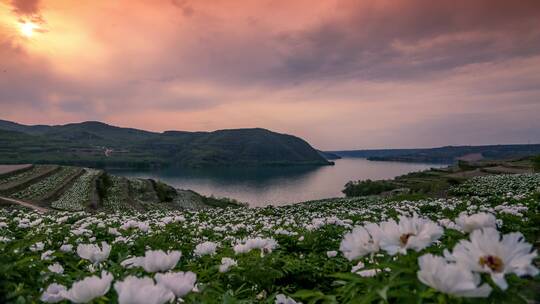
(261, 186)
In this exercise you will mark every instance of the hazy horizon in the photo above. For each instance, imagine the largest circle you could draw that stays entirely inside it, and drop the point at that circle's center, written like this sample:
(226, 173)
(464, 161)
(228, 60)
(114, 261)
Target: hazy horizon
(341, 74)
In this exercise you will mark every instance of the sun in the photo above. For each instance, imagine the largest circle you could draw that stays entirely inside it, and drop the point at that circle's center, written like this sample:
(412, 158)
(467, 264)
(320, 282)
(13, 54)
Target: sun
(27, 28)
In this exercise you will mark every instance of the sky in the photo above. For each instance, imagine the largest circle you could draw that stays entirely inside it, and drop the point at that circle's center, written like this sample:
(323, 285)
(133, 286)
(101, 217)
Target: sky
(342, 74)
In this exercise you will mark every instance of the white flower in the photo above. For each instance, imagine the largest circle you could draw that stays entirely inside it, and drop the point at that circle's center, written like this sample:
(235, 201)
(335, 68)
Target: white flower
(46, 256)
(283, 299)
(205, 248)
(331, 254)
(487, 252)
(154, 260)
(368, 273)
(39, 246)
(89, 288)
(53, 293)
(93, 253)
(360, 241)
(144, 227)
(468, 223)
(411, 233)
(133, 290)
(358, 267)
(226, 264)
(114, 231)
(450, 278)
(66, 248)
(179, 283)
(266, 245)
(447, 223)
(56, 268)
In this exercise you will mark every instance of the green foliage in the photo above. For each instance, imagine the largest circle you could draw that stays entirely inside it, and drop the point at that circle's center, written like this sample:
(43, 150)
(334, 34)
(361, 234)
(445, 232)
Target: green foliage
(103, 183)
(164, 192)
(299, 266)
(222, 202)
(464, 165)
(367, 187)
(536, 163)
(98, 145)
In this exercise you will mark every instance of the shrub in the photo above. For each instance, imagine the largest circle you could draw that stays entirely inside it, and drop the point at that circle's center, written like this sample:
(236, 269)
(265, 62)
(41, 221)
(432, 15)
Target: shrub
(164, 192)
(367, 187)
(536, 163)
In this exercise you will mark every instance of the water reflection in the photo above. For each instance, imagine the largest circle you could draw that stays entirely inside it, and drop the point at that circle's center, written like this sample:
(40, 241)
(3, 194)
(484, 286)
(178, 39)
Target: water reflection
(278, 185)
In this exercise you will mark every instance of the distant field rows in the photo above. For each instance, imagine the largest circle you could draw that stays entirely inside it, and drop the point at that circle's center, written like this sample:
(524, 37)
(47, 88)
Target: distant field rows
(48, 186)
(17, 182)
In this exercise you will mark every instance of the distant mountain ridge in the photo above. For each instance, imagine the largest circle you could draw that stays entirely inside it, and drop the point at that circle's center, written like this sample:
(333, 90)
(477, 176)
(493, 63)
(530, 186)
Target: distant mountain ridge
(446, 155)
(98, 144)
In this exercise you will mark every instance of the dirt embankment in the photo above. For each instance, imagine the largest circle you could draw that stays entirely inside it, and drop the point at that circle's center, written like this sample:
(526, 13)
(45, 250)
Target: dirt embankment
(11, 201)
(10, 170)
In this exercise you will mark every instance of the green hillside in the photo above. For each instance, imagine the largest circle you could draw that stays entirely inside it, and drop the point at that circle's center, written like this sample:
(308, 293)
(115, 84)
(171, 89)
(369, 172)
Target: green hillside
(96, 144)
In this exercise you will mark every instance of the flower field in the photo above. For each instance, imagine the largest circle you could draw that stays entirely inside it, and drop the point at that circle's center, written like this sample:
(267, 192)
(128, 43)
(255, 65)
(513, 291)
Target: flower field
(47, 185)
(77, 196)
(478, 246)
(11, 181)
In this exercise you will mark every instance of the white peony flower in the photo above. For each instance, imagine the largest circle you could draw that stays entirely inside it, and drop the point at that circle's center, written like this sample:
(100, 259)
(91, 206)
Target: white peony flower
(283, 299)
(89, 288)
(56, 268)
(331, 254)
(114, 231)
(411, 233)
(487, 252)
(450, 278)
(179, 283)
(205, 249)
(265, 245)
(367, 273)
(66, 248)
(154, 260)
(360, 241)
(93, 253)
(39, 246)
(226, 264)
(54, 293)
(468, 223)
(133, 290)
(358, 267)
(46, 256)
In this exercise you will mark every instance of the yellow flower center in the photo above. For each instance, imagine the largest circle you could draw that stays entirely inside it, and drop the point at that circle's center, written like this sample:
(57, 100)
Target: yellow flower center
(404, 238)
(494, 263)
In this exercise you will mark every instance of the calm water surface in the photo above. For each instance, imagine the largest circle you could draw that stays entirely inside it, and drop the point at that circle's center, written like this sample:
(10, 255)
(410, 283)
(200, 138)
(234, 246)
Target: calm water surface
(262, 186)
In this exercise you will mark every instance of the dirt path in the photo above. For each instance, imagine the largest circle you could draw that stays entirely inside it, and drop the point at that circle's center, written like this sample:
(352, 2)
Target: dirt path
(22, 203)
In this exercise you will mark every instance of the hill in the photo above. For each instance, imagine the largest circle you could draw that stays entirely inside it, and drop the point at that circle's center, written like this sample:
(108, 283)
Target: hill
(445, 155)
(97, 144)
(68, 188)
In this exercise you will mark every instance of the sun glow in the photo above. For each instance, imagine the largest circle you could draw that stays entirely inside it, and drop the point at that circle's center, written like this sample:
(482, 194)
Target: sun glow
(27, 28)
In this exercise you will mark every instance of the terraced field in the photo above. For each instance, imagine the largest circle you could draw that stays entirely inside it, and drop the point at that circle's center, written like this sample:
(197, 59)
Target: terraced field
(82, 189)
(77, 197)
(48, 187)
(118, 195)
(15, 182)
